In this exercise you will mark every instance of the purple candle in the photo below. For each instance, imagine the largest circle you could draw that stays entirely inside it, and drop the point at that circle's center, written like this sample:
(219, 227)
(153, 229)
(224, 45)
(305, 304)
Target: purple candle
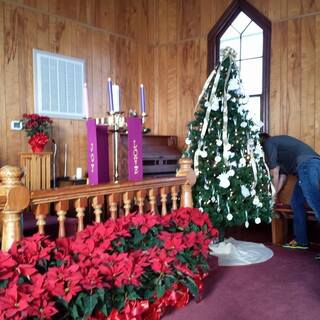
(142, 99)
(110, 95)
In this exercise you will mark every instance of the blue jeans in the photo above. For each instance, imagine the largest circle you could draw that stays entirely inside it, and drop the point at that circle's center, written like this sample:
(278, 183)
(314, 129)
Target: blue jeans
(307, 191)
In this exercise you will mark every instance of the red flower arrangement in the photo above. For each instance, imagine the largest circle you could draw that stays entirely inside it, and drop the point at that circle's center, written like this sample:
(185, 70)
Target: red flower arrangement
(37, 128)
(132, 268)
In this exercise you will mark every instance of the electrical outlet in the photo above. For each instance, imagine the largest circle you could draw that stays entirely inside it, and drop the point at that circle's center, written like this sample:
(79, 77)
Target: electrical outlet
(16, 125)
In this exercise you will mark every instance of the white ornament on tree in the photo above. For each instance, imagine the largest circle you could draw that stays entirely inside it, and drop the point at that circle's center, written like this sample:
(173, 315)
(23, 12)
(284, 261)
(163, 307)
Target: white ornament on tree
(215, 105)
(217, 159)
(203, 154)
(243, 124)
(233, 84)
(229, 216)
(242, 162)
(245, 191)
(224, 180)
(257, 220)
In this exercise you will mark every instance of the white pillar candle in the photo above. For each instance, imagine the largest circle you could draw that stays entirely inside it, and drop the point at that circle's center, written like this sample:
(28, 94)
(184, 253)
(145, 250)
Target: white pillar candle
(116, 98)
(79, 173)
(110, 95)
(142, 99)
(85, 100)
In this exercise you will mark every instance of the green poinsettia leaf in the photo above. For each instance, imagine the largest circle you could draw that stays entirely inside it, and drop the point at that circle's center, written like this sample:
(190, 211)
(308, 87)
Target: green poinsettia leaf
(90, 304)
(74, 312)
(191, 285)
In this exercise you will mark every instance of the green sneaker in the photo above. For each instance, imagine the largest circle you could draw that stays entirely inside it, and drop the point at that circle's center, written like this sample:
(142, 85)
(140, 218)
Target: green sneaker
(295, 245)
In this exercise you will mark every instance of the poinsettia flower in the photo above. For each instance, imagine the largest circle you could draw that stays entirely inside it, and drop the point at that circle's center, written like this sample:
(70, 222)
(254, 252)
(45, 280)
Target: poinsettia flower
(172, 241)
(64, 281)
(198, 218)
(26, 270)
(181, 217)
(92, 279)
(7, 265)
(14, 302)
(136, 263)
(150, 221)
(42, 307)
(190, 239)
(160, 261)
(31, 249)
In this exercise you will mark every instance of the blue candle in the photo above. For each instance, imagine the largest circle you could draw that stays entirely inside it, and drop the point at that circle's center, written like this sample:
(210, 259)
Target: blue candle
(110, 95)
(142, 99)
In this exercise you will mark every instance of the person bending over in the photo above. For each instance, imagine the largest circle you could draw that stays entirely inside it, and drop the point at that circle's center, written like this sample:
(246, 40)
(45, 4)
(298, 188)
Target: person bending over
(287, 155)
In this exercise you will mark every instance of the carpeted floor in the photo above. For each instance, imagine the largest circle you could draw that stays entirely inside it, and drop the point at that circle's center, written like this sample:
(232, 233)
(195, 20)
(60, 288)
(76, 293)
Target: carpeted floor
(287, 287)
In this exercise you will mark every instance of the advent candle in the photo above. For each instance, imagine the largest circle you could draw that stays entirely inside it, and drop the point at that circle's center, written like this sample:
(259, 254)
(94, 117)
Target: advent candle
(85, 100)
(116, 98)
(142, 99)
(110, 95)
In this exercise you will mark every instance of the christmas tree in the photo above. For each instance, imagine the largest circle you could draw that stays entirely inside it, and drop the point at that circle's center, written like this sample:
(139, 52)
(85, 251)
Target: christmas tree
(233, 182)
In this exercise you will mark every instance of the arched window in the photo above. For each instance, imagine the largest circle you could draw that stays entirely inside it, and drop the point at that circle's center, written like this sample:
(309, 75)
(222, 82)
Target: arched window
(246, 30)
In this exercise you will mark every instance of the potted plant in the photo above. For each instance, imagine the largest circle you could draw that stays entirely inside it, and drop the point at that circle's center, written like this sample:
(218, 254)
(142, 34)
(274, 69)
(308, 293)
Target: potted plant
(37, 128)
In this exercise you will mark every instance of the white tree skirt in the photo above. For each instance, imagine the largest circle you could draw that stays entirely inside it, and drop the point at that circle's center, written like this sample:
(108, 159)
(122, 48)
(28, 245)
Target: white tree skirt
(232, 252)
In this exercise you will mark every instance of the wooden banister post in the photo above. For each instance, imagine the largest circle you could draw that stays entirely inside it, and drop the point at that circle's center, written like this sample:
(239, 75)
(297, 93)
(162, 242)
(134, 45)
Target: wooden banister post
(41, 211)
(80, 205)
(17, 199)
(62, 208)
(97, 204)
(152, 193)
(174, 197)
(186, 189)
(163, 199)
(140, 195)
(113, 199)
(127, 198)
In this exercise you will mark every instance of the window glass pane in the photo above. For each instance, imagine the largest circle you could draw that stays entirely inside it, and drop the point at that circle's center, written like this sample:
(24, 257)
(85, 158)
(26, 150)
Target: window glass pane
(251, 46)
(254, 106)
(230, 34)
(252, 42)
(251, 75)
(253, 28)
(241, 22)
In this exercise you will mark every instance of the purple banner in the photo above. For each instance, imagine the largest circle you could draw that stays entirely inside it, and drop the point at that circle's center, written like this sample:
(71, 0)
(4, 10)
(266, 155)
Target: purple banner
(98, 159)
(135, 168)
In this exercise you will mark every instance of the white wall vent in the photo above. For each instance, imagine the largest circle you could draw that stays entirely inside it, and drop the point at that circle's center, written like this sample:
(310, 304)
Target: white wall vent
(58, 85)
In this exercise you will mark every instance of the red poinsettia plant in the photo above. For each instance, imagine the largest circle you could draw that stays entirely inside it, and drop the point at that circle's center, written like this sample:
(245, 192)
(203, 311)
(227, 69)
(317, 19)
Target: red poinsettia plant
(134, 268)
(37, 128)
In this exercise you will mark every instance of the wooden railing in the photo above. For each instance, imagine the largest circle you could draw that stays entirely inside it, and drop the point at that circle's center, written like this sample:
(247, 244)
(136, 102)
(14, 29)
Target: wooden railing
(114, 199)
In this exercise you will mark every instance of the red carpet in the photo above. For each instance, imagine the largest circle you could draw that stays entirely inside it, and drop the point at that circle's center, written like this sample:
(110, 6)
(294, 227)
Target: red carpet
(287, 287)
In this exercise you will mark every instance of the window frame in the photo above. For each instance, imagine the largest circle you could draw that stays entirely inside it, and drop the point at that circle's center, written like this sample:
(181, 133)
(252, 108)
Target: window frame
(264, 23)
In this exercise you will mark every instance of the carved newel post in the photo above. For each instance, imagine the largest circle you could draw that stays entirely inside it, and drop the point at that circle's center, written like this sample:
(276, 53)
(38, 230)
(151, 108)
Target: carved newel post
(186, 192)
(17, 198)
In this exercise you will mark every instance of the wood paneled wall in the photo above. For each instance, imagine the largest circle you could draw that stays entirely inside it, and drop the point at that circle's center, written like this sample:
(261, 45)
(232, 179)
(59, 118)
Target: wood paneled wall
(162, 43)
(180, 62)
(104, 33)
